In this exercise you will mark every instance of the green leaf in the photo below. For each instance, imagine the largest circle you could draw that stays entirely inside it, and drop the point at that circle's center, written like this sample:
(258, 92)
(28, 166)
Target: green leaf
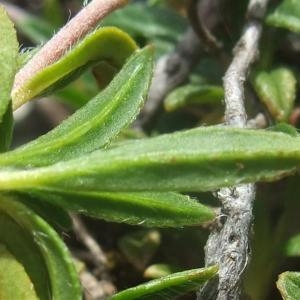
(22, 246)
(277, 90)
(98, 122)
(160, 27)
(14, 281)
(170, 286)
(140, 246)
(53, 12)
(32, 27)
(201, 159)
(156, 22)
(285, 128)
(289, 285)
(146, 209)
(286, 15)
(6, 129)
(105, 44)
(292, 247)
(159, 270)
(63, 277)
(8, 63)
(54, 214)
(192, 94)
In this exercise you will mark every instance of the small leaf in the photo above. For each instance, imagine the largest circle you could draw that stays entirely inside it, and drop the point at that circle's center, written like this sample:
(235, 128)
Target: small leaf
(140, 246)
(277, 90)
(285, 128)
(61, 271)
(170, 286)
(286, 15)
(98, 122)
(105, 44)
(292, 247)
(201, 159)
(146, 209)
(192, 94)
(8, 64)
(159, 270)
(14, 281)
(289, 285)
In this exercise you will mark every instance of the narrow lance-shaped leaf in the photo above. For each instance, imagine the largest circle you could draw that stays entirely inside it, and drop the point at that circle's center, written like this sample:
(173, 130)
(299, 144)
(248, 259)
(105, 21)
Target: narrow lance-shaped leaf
(277, 90)
(289, 285)
(64, 283)
(145, 209)
(286, 15)
(95, 124)
(14, 281)
(106, 44)
(8, 63)
(201, 159)
(170, 286)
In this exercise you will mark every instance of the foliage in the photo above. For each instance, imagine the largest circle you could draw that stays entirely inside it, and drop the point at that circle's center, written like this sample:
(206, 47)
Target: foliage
(92, 164)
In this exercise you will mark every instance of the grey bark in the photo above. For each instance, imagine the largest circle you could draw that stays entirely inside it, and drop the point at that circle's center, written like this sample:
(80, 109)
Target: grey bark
(228, 244)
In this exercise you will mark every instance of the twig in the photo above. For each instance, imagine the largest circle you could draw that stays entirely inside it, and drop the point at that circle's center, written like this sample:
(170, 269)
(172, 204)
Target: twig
(96, 251)
(228, 244)
(94, 289)
(71, 33)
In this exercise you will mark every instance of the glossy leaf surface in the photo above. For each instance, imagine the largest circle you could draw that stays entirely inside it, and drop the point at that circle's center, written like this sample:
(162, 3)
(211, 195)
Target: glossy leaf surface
(106, 44)
(277, 90)
(286, 15)
(200, 159)
(194, 95)
(14, 281)
(63, 277)
(170, 286)
(289, 285)
(146, 209)
(98, 122)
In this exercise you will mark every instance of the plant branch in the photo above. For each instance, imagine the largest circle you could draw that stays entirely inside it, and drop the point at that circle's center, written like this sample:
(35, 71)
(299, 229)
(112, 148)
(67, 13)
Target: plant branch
(85, 21)
(95, 249)
(228, 243)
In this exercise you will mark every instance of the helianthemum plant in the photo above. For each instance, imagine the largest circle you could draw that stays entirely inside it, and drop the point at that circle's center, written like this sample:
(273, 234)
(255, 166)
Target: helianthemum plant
(83, 165)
